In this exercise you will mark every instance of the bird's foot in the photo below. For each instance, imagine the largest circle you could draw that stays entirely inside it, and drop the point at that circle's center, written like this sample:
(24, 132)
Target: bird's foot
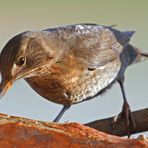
(127, 115)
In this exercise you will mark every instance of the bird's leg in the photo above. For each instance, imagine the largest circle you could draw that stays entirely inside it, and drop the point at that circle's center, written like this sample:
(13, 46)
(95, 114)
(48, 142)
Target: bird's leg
(64, 109)
(126, 111)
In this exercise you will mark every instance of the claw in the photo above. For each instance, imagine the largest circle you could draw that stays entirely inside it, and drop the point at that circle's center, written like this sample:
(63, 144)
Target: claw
(127, 115)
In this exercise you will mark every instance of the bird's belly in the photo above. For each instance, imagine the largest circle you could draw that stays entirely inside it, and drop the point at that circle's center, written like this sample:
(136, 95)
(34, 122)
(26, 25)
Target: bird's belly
(74, 89)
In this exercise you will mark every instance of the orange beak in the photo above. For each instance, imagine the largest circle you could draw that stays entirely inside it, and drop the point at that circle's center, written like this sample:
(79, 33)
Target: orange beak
(4, 87)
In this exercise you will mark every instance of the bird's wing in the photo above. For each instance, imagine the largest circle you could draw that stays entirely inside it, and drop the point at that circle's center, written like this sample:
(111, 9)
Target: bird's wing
(95, 45)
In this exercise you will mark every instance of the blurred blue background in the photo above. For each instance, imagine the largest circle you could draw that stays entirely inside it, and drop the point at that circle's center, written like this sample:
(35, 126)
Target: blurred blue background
(18, 16)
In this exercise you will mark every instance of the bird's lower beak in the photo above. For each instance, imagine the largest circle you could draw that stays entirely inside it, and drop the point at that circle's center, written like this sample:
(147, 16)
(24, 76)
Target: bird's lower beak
(4, 86)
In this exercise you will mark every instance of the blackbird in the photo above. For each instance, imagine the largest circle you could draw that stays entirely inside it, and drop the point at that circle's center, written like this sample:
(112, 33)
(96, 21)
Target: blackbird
(70, 64)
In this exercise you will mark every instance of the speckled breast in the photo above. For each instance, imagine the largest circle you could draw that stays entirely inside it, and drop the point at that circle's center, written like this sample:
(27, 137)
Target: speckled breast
(91, 83)
(71, 89)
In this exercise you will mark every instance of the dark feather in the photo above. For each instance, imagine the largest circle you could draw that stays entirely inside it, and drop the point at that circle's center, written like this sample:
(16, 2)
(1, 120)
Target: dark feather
(122, 37)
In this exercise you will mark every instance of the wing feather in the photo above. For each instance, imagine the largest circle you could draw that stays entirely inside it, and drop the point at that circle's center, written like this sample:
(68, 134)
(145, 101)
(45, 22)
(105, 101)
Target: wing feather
(92, 44)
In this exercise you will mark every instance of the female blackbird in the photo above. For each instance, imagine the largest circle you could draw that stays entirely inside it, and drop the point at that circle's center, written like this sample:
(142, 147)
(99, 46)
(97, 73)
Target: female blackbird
(70, 64)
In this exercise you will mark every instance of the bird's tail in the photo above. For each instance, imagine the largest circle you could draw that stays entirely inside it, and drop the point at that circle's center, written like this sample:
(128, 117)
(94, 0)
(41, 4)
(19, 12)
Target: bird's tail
(141, 56)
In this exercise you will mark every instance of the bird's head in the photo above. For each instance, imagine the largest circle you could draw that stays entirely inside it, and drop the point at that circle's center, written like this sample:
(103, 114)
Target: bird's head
(25, 55)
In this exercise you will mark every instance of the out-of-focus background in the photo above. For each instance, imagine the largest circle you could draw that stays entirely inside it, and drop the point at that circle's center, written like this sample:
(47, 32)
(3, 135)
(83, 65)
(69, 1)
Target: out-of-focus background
(17, 16)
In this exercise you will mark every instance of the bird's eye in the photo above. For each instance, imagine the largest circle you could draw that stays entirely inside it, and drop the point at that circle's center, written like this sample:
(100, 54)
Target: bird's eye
(21, 61)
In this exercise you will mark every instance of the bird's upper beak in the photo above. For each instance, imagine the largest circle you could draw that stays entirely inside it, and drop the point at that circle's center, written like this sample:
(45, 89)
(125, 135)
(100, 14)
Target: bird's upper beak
(4, 86)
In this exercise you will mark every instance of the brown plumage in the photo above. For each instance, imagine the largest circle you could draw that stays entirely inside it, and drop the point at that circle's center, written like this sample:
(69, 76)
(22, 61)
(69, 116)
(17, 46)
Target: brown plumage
(69, 64)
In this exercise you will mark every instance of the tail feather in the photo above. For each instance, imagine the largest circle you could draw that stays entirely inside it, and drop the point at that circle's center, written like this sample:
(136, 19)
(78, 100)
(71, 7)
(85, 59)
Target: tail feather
(122, 37)
(125, 38)
(144, 56)
(141, 56)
